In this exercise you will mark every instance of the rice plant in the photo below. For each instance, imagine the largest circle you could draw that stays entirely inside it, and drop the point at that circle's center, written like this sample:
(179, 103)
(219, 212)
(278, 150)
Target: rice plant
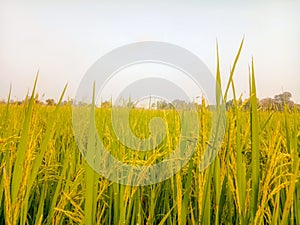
(254, 178)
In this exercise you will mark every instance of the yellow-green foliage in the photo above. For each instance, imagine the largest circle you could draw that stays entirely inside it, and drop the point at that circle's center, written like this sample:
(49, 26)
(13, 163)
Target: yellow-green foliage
(57, 192)
(253, 180)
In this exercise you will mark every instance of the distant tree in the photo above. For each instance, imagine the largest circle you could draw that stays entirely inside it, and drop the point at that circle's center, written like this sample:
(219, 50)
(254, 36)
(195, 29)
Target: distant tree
(39, 102)
(230, 103)
(179, 104)
(283, 99)
(106, 104)
(65, 102)
(267, 104)
(163, 105)
(50, 101)
(246, 104)
(81, 103)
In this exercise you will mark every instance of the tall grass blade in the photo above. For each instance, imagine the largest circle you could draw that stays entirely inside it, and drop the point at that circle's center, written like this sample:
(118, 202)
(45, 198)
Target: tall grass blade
(255, 155)
(90, 202)
(21, 150)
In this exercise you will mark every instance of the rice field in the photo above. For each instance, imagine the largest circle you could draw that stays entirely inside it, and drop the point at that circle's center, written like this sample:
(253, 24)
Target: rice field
(254, 178)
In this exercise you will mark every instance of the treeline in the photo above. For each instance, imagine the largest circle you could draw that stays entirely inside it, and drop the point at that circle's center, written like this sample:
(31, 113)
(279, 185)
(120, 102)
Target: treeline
(266, 104)
(49, 102)
(269, 104)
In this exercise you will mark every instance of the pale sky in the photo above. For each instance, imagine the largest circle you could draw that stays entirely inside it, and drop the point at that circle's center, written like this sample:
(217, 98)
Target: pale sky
(62, 40)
